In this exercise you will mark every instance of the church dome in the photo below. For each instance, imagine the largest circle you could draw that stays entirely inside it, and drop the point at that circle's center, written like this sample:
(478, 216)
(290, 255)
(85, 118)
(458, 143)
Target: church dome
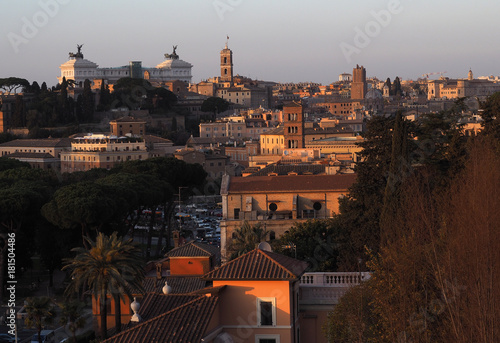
(374, 94)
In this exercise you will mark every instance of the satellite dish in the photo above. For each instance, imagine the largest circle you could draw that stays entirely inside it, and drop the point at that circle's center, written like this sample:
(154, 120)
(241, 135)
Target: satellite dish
(264, 246)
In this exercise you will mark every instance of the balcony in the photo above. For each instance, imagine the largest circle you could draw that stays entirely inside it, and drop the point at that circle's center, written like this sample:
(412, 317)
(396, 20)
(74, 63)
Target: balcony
(327, 288)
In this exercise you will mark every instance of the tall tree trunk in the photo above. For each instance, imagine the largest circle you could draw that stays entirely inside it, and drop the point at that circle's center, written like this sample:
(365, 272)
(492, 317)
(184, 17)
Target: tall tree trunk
(104, 316)
(118, 313)
(150, 232)
(167, 216)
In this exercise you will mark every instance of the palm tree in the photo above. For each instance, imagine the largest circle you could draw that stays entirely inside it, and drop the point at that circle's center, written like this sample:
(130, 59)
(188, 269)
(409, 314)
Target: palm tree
(246, 239)
(112, 266)
(72, 316)
(40, 312)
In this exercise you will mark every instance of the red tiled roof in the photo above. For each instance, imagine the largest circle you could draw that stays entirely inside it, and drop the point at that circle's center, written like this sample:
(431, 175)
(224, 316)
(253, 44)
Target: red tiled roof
(156, 139)
(155, 304)
(128, 120)
(194, 249)
(34, 155)
(179, 285)
(284, 169)
(38, 143)
(292, 183)
(208, 140)
(259, 265)
(186, 323)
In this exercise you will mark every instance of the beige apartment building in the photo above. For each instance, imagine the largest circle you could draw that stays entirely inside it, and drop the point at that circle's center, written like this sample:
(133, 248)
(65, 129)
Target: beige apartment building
(459, 88)
(101, 151)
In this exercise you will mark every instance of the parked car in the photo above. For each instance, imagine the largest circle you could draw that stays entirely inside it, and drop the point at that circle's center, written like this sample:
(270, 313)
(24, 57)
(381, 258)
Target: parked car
(46, 335)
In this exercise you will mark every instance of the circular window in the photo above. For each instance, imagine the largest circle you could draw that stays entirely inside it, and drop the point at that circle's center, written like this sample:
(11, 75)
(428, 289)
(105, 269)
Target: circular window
(273, 207)
(317, 206)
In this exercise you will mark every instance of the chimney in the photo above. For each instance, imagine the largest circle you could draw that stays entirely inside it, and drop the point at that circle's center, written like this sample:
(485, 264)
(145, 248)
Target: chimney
(158, 271)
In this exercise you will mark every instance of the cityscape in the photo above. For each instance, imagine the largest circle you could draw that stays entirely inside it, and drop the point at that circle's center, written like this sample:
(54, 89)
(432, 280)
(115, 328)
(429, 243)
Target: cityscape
(242, 186)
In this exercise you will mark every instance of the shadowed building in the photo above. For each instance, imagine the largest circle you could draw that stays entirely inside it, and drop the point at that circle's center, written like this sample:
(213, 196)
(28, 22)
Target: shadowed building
(278, 202)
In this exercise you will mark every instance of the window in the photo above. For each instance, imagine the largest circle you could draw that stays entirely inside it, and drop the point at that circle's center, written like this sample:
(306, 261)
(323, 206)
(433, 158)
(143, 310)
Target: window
(266, 311)
(267, 338)
(236, 213)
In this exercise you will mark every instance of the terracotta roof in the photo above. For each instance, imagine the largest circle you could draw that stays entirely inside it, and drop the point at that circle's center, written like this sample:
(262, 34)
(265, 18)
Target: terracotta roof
(38, 155)
(292, 104)
(184, 152)
(194, 249)
(128, 120)
(216, 157)
(210, 290)
(38, 143)
(259, 265)
(276, 131)
(186, 323)
(156, 139)
(341, 128)
(155, 304)
(208, 140)
(179, 284)
(291, 183)
(284, 169)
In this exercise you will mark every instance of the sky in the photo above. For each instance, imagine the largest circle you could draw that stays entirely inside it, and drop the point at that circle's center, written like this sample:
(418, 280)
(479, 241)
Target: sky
(272, 40)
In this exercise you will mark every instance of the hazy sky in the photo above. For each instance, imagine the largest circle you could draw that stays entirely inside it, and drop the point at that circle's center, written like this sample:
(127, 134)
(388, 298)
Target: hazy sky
(275, 40)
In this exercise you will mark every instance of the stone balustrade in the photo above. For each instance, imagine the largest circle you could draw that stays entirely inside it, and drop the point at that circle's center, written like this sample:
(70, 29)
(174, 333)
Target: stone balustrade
(328, 288)
(346, 279)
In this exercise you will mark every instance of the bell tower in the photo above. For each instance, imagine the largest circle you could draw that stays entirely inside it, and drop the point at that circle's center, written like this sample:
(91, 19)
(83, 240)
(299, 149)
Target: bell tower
(293, 122)
(226, 64)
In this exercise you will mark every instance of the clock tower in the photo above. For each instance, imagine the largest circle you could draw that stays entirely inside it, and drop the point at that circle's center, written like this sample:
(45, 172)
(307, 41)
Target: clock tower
(226, 64)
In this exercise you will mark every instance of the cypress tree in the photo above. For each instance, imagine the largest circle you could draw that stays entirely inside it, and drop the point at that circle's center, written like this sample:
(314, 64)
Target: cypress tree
(388, 84)
(87, 102)
(399, 170)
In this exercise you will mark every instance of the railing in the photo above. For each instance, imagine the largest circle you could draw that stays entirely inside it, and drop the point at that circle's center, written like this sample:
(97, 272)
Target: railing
(327, 288)
(346, 279)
